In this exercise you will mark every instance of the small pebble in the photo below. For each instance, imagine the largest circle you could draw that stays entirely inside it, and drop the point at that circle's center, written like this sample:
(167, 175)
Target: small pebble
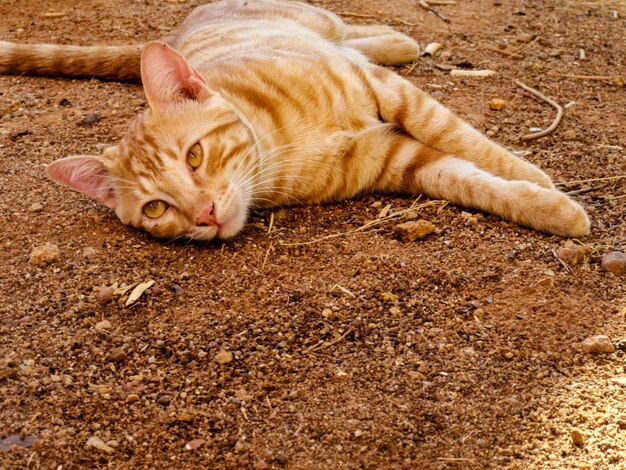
(261, 465)
(118, 355)
(105, 295)
(43, 255)
(133, 397)
(614, 262)
(497, 104)
(195, 444)
(99, 444)
(36, 207)
(89, 252)
(164, 400)
(64, 102)
(411, 231)
(577, 437)
(89, 119)
(572, 254)
(103, 325)
(223, 357)
(597, 345)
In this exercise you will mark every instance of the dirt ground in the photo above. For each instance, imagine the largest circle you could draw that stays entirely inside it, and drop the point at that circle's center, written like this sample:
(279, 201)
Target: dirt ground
(462, 350)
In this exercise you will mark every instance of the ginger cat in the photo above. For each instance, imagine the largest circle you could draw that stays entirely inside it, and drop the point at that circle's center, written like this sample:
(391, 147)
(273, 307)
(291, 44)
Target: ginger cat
(260, 103)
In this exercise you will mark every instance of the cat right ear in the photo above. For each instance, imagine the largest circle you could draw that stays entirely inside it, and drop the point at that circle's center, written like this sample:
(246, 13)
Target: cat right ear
(168, 77)
(85, 174)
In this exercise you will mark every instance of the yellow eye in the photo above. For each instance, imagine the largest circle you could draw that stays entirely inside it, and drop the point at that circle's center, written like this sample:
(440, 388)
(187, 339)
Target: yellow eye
(194, 156)
(155, 209)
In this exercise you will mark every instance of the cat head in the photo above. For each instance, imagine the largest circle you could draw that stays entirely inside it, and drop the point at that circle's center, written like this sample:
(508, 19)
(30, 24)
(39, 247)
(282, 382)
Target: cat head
(182, 168)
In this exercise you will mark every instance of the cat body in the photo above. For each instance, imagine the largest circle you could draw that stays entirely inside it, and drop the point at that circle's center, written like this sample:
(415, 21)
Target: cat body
(269, 103)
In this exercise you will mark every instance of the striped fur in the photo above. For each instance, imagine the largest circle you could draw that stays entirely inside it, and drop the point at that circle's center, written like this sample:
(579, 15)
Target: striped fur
(289, 105)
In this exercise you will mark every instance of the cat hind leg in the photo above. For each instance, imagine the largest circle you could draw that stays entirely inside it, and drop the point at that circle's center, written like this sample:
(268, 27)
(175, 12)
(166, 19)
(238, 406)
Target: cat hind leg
(415, 168)
(522, 202)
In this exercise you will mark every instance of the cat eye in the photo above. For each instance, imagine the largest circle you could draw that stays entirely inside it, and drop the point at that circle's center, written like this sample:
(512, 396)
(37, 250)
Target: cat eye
(155, 209)
(194, 156)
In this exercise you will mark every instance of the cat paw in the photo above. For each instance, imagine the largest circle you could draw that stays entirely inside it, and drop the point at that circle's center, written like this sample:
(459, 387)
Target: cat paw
(572, 220)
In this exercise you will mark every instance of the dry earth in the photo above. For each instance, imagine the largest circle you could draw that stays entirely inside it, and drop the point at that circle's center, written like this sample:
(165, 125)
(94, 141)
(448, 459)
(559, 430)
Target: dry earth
(462, 350)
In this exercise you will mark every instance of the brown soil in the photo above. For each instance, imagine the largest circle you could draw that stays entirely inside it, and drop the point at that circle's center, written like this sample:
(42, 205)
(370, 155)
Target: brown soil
(462, 350)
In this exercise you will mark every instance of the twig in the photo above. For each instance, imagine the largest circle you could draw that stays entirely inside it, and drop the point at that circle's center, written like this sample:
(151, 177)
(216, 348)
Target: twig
(427, 7)
(440, 2)
(585, 190)
(269, 229)
(267, 255)
(557, 119)
(472, 73)
(619, 80)
(506, 52)
(411, 68)
(525, 47)
(357, 15)
(593, 180)
(322, 345)
(342, 289)
(365, 228)
(563, 263)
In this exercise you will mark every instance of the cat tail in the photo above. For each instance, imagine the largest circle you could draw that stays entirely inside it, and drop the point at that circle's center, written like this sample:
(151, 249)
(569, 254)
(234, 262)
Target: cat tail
(117, 63)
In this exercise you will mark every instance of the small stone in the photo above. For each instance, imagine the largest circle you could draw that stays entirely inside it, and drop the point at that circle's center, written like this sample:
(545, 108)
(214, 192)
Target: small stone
(64, 102)
(411, 231)
(89, 119)
(105, 295)
(103, 325)
(570, 135)
(377, 204)
(36, 207)
(195, 444)
(281, 459)
(43, 255)
(117, 355)
(577, 437)
(614, 262)
(133, 397)
(89, 252)
(164, 400)
(389, 297)
(99, 444)
(223, 357)
(572, 255)
(184, 417)
(113, 443)
(598, 344)
(261, 465)
(497, 104)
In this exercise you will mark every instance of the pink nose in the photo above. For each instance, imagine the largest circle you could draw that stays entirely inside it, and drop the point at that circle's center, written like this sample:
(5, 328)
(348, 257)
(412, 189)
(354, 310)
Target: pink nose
(206, 216)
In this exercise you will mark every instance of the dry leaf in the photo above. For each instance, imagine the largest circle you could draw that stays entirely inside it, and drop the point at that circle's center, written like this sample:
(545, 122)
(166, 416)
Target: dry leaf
(384, 211)
(137, 291)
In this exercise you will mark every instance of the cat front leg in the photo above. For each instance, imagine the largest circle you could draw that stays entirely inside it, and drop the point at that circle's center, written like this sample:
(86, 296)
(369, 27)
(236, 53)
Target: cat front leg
(424, 118)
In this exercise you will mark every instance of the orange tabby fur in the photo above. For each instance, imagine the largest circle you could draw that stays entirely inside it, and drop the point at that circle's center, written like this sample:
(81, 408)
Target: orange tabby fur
(287, 108)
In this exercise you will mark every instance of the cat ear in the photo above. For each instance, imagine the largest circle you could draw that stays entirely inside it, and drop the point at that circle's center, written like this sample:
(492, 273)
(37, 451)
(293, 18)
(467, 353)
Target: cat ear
(85, 174)
(167, 76)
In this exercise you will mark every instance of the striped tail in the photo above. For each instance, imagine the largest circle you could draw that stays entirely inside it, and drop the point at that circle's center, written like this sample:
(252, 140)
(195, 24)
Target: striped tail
(117, 63)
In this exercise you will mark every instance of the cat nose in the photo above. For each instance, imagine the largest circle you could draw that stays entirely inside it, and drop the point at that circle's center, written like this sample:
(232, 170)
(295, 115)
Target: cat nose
(206, 215)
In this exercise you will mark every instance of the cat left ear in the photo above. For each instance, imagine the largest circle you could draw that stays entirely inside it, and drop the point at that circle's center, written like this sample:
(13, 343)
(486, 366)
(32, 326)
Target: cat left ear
(168, 77)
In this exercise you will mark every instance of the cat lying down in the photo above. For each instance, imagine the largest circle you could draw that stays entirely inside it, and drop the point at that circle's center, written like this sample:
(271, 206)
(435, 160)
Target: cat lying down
(256, 104)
